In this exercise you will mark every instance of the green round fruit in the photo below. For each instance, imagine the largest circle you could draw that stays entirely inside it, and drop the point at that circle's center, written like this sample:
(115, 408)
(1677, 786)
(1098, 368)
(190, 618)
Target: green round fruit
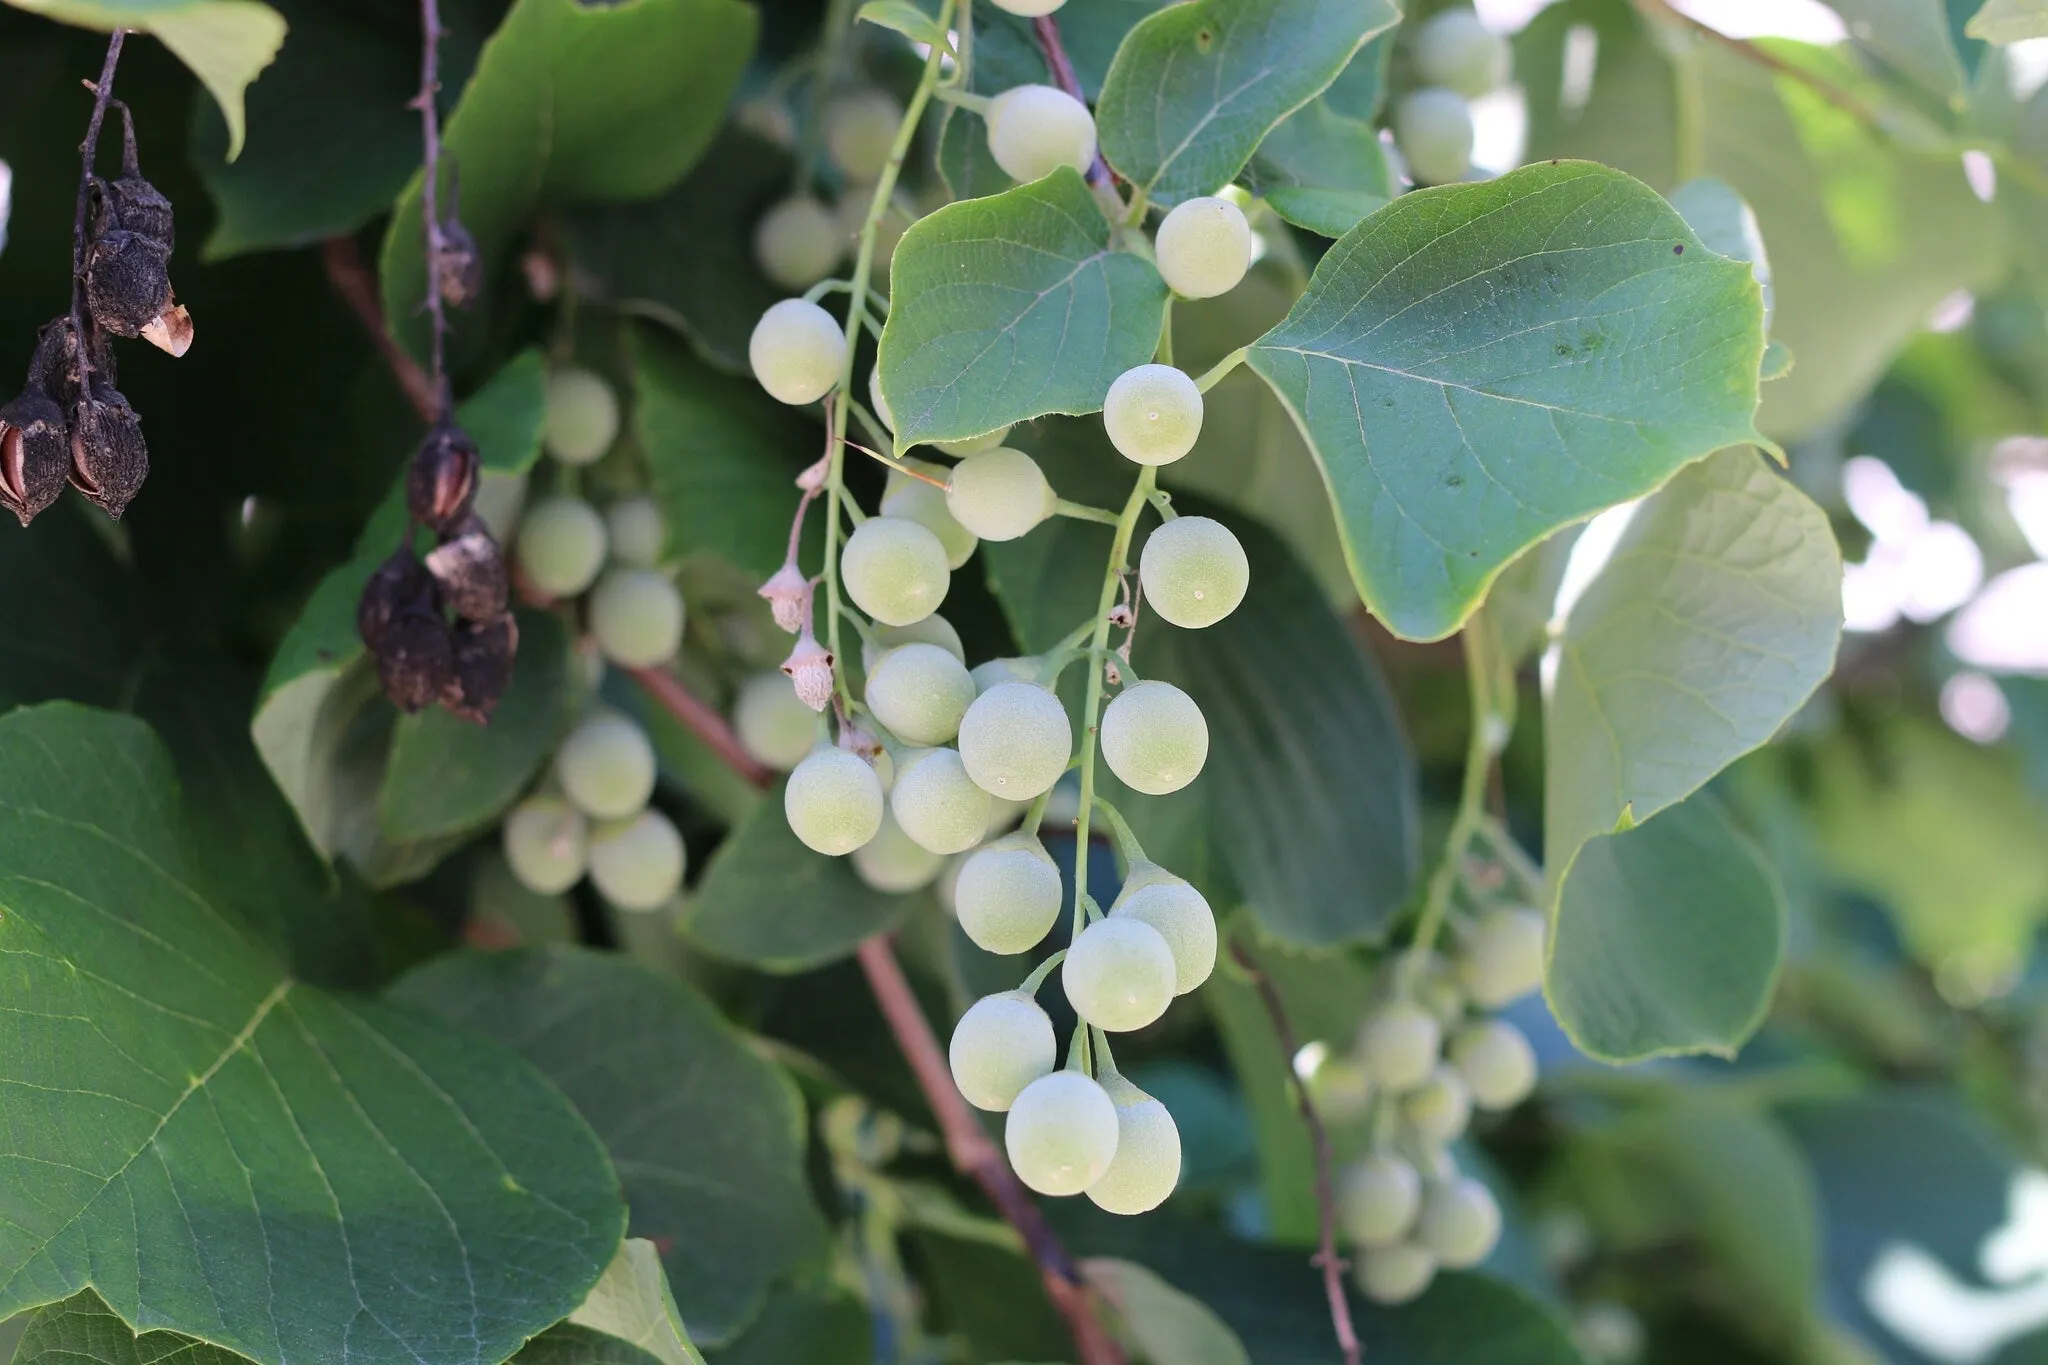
(833, 801)
(937, 804)
(1033, 130)
(561, 545)
(1016, 739)
(1456, 50)
(606, 766)
(1154, 738)
(1501, 959)
(1007, 895)
(1378, 1199)
(894, 570)
(892, 863)
(1203, 248)
(1460, 1223)
(933, 630)
(1440, 1109)
(772, 722)
(989, 672)
(637, 864)
(1061, 1134)
(1497, 1063)
(582, 416)
(919, 692)
(797, 351)
(974, 445)
(1153, 414)
(915, 500)
(1183, 918)
(860, 132)
(637, 531)
(876, 401)
(636, 617)
(1433, 129)
(1399, 1044)
(1118, 974)
(1000, 494)
(1029, 9)
(1146, 1166)
(1001, 1045)
(1194, 572)
(546, 840)
(797, 242)
(1394, 1275)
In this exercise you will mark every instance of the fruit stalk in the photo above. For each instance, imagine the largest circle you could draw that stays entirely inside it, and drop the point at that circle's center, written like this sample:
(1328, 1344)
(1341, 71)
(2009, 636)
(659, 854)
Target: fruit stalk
(103, 95)
(1480, 748)
(430, 194)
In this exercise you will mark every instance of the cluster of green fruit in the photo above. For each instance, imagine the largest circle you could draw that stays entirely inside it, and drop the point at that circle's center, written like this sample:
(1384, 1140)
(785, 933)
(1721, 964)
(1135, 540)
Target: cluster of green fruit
(591, 814)
(1457, 59)
(1427, 1055)
(801, 239)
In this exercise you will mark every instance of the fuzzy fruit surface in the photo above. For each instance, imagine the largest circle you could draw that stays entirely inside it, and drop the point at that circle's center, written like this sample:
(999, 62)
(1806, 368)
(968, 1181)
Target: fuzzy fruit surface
(1181, 916)
(606, 766)
(920, 692)
(1394, 1275)
(1378, 1200)
(1153, 414)
(637, 864)
(892, 862)
(1033, 130)
(1501, 959)
(1460, 1223)
(936, 802)
(1194, 572)
(1119, 974)
(1007, 894)
(583, 416)
(1456, 50)
(796, 351)
(636, 617)
(561, 545)
(637, 530)
(1016, 739)
(546, 842)
(1203, 247)
(772, 722)
(1154, 738)
(1001, 1045)
(895, 570)
(833, 801)
(1433, 128)
(1399, 1043)
(797, 242)
(1061, 1134)
(1497, 1063)
(1146, 1166)
(1000, 494)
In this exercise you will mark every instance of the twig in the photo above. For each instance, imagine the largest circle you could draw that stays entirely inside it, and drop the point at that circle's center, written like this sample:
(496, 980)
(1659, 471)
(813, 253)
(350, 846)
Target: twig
(430, 195)
(353, 283)
(974, 1154)
(1062, 68)
(1479, 755)
(705, 723)
(1326, 1257)
(102, 95)
(1767, 59)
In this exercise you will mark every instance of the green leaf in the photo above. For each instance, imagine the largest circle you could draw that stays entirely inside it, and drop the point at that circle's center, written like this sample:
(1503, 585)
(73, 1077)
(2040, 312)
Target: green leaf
(1523, 598)
(1727, 225)
(572, 103)
(631, 1301)
(1195, 87)
(708, 1139)
(417, 1178)
(568, 1344)
(1910, 36)
(1322, 170)
(906, 19)
(1012, 307)
(770, 903)
(1007, 52)
(1714, 620)
(1666, 938)
(2010, 21)
(1163, 1323)
(1327, 213)
(83, 1328)
(1479, 365)
(809, 1323)
(225, 43)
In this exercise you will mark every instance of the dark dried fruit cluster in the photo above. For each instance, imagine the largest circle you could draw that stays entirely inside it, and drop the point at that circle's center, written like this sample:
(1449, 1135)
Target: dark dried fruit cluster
(424, 658)
(69, 422)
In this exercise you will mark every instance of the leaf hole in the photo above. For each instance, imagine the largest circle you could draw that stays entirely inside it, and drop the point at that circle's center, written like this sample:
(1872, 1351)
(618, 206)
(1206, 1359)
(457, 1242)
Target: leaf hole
(1204, 39)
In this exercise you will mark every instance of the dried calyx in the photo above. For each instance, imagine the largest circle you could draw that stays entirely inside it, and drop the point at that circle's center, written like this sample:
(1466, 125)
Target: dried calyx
(458, 265)
(128, 256)
(35, 434)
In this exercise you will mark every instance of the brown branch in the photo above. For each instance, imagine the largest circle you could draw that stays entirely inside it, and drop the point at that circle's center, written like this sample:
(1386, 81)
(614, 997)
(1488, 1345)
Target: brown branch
(352, 281)
(1764, 57)
(1062, 69)
(88, 151)
(1326, 1257)
(703, 721)
(974, 1154)
(430, 196)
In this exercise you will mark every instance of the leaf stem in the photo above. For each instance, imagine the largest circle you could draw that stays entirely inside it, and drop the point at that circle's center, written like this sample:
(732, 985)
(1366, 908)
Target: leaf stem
(1214, 374)
(1081, 511)
(1031, 983)
(1126, 841)
(1518, 863)
(1480, 748)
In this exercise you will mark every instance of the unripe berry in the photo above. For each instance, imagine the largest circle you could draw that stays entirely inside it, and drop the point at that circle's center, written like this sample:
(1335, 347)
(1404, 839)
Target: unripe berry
(797, 351)
(999, 494)
(636, 617)
(892, 862)
(989, 672)
(561, 545)
(1153, 414)
(546, 842)
(772, 722)
(1460, 1222)
(974, 445)
(915, 500)
(1497, 1063)
(1146, 1166)
(582, 416)
(1118, 974)
(1154, 738)
(1454, 49)
(937, 804)
(1007, 894)
(1029, 9)
(1033, 130)
(1399, 1044)
(637, 864)
(637, 531)
(1061, 1134)
(933, 630)
(1001, 1045)
(1433, 128)
(1181, 916)
(894, 570)
(1501, 960)
(1378, 1200)
(606, 766)
(919, 692)
(1440, 1109)
(1395, 1274)
(860, 131)
(797, 242)
(1016, 739)
(1204, 247)
(1194, 572)
(833, 801)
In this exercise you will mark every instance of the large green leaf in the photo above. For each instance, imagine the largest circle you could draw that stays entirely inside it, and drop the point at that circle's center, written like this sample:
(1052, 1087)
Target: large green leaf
(226, 43)
(2010, 21)
(708, 1138)
(808, 1323)
(570, 103)
(1478, 365)
(1666, 938)
(632, 1301)
(1195, 87)
(1322, 170)
(1007, 52)
(224, 1151)
(1012, 307)
(1714, 620)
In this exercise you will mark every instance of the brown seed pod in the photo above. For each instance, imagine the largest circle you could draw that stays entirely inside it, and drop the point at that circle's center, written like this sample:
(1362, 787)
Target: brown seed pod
(127, 281)
(470, 570)
(440, 484)
(401, 586)
(35, 454)
(416, 660)
(128, 203)
(483, 666)
(109, 460)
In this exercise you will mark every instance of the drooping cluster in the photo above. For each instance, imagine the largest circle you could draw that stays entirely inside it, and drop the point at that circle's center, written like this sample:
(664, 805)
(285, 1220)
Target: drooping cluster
(801, 239)
(1456, 59)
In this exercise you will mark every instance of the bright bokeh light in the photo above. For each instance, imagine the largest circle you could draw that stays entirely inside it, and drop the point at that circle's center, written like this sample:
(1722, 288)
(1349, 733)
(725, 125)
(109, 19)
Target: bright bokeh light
(1975, 707)
(1926, 1304)
(2005, 630)
(1918, 569)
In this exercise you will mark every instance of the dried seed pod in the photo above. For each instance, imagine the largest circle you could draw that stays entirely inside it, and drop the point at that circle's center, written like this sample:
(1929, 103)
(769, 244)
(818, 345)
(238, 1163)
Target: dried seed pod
(109, 460)
(127, 281)
(789, 597)
(170, 331)
(35, 454)
(440, 484)
(129, 203)
(809, 666)
(483, 666)
(416, 660)
(470, 570)
(400, 587)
